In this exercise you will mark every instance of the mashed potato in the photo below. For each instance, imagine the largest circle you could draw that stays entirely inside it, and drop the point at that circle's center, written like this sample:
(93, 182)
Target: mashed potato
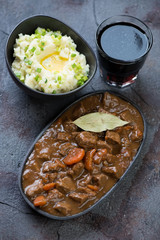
(49, 62)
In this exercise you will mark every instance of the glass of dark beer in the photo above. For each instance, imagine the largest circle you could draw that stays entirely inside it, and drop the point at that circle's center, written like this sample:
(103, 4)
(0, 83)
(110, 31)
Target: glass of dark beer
(123, 43)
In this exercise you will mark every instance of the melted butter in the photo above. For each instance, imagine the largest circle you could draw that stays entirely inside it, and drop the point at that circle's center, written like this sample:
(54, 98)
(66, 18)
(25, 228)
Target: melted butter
(53, 62)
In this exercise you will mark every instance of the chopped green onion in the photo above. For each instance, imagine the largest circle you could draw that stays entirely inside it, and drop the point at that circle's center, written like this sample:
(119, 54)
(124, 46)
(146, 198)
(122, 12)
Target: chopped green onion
(48, 30)
(80, 82)
(37, 78)
(79, 66)
(79, 76)
(43, 32)
(27, 55)
(54, 92)
(38, 70)
(73, 55)
(46, 80)
(85, 78)
(59, 37)
(42, 43)
(36, 31)
(42, 89)
(26, 48)
(59, 78)
(33, 49)
(29, 62)
(74, 65)
(18, 75)
(42, 49)
(22, 79)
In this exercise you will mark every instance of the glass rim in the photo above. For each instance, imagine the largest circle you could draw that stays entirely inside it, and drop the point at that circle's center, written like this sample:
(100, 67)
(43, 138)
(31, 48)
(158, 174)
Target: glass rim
(150, 39)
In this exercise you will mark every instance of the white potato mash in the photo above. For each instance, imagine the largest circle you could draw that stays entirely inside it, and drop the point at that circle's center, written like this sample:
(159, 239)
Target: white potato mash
(49, 62)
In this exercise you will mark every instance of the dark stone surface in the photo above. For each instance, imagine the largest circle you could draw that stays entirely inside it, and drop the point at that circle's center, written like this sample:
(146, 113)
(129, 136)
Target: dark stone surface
(133, 211)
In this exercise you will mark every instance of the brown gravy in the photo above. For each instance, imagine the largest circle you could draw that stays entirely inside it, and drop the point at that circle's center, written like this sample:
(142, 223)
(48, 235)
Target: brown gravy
(64, 190)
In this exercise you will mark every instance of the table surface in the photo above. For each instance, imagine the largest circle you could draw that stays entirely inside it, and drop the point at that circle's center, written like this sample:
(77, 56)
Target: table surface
(133, 211)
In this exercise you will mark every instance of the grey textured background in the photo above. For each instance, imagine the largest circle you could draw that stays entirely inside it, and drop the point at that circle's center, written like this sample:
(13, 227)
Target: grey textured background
(133, 211)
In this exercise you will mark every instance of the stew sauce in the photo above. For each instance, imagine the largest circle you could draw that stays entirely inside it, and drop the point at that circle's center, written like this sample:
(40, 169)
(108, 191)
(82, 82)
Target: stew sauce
(70, 169)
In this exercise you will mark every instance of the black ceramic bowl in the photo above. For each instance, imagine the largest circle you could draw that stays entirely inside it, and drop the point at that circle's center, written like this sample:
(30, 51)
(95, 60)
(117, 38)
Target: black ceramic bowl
(28, 26)
(108, 194)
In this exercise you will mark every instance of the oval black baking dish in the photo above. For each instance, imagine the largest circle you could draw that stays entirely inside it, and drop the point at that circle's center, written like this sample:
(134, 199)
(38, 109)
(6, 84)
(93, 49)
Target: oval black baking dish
(115, 186)
(28, 26)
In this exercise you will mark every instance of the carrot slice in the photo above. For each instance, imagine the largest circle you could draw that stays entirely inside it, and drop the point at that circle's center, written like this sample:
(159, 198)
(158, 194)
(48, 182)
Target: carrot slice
(39, 201)
(75, 155)
(48, 186)
(93, 187)
(88, 159)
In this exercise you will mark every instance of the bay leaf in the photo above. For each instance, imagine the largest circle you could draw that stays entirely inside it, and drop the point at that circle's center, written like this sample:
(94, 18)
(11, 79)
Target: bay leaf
(99, 122)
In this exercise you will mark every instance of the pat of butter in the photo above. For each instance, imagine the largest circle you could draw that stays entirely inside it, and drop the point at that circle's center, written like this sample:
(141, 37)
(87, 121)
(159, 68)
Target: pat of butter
(53, 62)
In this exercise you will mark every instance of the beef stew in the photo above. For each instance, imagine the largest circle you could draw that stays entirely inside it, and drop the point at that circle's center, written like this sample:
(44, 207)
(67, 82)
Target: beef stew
(70, 169)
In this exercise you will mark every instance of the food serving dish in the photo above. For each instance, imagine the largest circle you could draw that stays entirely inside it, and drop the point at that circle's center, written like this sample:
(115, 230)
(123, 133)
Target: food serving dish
(116, 183)
(28, 26)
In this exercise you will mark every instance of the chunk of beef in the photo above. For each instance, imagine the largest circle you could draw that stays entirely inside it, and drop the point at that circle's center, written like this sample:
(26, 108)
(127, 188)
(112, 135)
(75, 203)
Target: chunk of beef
(74, 134)
(85, 180)
(52, 176)
(61, 174)
(100, 179)
(49, 166)
(100, 156)
(102, 110)
(136, 135)
(87, 191)
(55, 196)
(79, 197)
(78, 169)
(27, 175)
(96, 169)
(63, 136)
(63, 207)
(70, 172)
(42, 151)
(86, 139)
(112, 171)
(65, 185)
(35, 188)
(104, 144)
(70, 127)
(111, 158)
(45, 153)
(110, 101)
(126, 116)
(78, 111)
(113, 137)
(65, 147)
(57, 165)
